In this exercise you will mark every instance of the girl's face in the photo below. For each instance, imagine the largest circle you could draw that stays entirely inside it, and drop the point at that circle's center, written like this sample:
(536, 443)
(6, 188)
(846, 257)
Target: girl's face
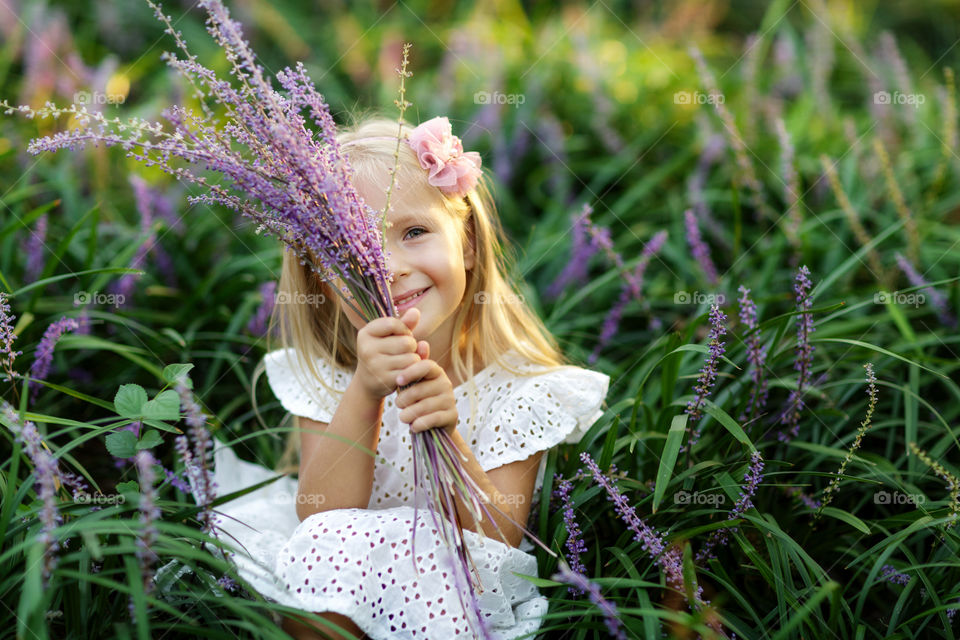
(425, 253)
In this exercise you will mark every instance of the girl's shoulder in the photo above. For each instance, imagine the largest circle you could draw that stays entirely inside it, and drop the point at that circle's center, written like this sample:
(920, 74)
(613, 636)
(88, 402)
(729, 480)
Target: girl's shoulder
(521, 372)
(526, 407)
(300, 391)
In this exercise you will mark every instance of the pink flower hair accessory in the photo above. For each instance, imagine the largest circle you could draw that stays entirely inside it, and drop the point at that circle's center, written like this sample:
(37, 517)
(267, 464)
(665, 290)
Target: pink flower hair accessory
(441, 153)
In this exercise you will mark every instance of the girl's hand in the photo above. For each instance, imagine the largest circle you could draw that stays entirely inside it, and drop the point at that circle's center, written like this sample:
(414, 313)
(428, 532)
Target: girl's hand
(385, 348)
(429, 403)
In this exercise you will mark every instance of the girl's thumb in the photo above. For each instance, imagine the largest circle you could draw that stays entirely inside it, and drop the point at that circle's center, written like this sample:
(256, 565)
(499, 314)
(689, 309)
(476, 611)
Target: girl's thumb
(423, 349)
(411, 318)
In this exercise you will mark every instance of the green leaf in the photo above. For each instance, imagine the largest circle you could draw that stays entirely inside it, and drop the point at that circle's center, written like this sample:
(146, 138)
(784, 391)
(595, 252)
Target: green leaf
(668, 459)
(849, 518)
(122, 444)
(689, 573)
(174, 371)
(129, 401)
(149, 440)
(130, 486)
(728, 423)
(166, 406)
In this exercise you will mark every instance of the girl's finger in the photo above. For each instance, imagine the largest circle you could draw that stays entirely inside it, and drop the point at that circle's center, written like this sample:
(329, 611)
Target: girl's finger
(422, 370)
(418, 391)
(400, 362)
(397, 345)
(383, 327)
(423, 408)
(434, 420)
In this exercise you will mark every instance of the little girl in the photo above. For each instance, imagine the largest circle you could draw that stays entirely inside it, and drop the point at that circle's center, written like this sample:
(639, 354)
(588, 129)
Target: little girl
(483, 368)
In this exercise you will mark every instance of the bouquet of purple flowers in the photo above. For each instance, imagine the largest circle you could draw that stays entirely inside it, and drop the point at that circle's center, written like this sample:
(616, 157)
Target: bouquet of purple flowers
(294, 183)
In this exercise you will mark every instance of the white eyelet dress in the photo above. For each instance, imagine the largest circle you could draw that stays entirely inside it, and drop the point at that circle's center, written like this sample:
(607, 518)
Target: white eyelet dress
(358, 562)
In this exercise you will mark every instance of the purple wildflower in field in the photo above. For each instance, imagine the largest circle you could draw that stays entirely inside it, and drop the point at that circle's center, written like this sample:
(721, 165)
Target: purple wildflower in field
(575, 544)
(582, 250)
(149, 514)
(712, 152)
(293, 182)
(791, 185)
(7, 336)
(35, 249)
(892, 575)
(609, 610)
(937, 299)
(807, 501)
(150, 203)
(258, 324)
(668, 558)
(44, 355)
(751, 480)
(790, 418)
(196, 460)
(46, 474)
(756, 356)
(631, 290)
(708, 374)
(227, 583)
(699, 248)
(176, 481)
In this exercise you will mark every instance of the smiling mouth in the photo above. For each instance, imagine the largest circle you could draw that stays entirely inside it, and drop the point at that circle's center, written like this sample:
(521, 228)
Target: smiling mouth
(402, 301)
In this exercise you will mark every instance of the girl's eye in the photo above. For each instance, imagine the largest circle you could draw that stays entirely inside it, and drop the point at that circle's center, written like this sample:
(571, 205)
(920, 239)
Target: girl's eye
(416, 229)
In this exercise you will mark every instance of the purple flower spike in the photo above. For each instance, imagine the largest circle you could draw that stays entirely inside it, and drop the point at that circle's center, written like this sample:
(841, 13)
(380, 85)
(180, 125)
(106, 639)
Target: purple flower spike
(892, 575)
(708, 374)
(258, 323)
(44, 356)
(790, 418)
(7, 336)
(699, 248)
(756, 356)
(149, 514)
(575, 544)
(195, 460)
(607, 608)
(34, 249)
(46, 473)
(751, 480)
(632, 289)
(937, 299)
(583, 249)
(667, 558)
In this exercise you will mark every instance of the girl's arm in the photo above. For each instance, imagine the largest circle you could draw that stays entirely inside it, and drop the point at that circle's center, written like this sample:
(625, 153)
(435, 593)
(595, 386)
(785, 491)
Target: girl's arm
(335, 473)
(336, 468)
(510, 488)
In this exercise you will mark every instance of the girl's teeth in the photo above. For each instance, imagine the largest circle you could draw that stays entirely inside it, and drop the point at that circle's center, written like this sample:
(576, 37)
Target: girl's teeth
(406, 300)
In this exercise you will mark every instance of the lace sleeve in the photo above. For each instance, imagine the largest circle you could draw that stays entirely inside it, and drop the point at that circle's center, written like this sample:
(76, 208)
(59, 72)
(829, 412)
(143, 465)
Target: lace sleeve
(543, 411)
(287, 377)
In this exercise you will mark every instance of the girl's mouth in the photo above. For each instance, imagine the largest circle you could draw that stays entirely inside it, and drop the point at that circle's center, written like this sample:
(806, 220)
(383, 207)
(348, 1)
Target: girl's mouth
(406, 302)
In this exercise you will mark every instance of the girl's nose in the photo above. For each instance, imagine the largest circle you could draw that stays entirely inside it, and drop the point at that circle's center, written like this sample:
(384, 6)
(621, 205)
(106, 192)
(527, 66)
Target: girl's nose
(396, 263)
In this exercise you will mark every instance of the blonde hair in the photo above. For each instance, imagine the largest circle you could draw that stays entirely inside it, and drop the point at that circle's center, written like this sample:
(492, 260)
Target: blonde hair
(484, 332)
